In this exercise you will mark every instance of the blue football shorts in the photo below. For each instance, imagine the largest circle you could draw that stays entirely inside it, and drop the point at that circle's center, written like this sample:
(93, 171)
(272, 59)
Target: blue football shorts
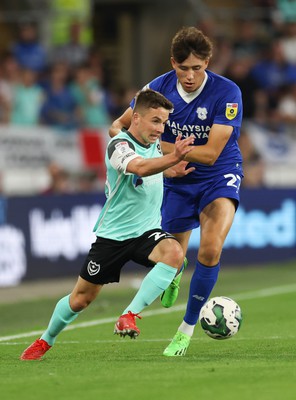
(182, 204)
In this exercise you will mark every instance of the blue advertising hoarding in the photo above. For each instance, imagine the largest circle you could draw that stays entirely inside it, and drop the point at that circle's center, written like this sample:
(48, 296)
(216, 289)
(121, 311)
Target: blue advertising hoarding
(49, 236)
(264, 228)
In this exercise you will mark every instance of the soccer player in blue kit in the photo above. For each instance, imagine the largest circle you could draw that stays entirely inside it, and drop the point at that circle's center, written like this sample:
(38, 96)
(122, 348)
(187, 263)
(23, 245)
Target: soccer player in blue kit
(207, 107)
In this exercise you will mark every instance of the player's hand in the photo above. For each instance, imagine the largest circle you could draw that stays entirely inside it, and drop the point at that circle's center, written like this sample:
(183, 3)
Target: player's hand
(179, 170)
(183, 146)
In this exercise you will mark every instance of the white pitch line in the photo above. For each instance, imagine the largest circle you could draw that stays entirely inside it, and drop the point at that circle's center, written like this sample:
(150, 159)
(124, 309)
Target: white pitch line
(273, 291)
(123, 341)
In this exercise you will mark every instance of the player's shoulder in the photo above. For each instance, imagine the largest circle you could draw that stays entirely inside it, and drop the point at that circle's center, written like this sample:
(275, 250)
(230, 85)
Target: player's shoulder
(120, 142)
(222, 81)
(164, 80)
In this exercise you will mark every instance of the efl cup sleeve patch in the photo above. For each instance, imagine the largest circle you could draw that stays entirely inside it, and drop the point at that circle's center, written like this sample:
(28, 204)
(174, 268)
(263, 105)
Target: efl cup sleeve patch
(231, 110)
(122, 147)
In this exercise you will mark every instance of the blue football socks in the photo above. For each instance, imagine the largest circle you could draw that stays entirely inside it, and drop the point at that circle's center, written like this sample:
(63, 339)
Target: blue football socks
(153, 285)
(62, 316)
(202, 283)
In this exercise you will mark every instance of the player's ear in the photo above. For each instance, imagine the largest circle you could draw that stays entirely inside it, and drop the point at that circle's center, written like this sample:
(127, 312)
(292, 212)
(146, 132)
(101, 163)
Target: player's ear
(173, 62)
(207, 60)
(136, 117)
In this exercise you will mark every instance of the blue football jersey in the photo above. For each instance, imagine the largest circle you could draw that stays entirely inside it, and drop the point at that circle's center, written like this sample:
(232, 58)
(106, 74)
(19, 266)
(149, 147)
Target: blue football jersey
(218, 101)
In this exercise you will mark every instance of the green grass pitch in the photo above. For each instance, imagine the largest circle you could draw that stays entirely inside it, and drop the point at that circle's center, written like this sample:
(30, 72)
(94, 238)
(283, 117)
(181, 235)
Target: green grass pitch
(89, 363)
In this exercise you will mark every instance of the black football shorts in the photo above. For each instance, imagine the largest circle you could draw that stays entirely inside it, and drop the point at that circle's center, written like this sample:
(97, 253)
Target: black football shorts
(106, 257)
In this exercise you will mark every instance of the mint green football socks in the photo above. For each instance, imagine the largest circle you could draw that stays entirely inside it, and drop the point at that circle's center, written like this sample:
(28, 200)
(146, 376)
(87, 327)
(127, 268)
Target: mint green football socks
(62, 316)
(154, 283)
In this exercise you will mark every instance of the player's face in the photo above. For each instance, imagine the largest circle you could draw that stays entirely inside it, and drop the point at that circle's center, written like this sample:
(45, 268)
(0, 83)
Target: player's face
(190, 72)
(150, 124)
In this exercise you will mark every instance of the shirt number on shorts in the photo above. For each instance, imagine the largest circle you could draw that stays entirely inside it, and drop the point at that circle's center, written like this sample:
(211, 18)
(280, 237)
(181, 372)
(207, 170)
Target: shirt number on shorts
(234, 181)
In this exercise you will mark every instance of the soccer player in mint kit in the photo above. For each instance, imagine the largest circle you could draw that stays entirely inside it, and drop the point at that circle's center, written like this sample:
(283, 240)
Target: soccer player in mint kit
(128, 227)
(207, 107)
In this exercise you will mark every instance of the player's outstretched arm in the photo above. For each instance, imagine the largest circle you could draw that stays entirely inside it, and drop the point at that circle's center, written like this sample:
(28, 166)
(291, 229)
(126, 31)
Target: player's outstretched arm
(209, 153)
(167, 147)
(145, 167)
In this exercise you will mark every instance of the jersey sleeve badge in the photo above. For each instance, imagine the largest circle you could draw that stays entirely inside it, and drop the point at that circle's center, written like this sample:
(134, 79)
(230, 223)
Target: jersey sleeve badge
(122, 147)
(231, 110)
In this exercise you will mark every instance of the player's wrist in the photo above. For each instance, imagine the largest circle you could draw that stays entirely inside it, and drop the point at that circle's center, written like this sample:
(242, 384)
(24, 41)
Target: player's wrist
(176, 158)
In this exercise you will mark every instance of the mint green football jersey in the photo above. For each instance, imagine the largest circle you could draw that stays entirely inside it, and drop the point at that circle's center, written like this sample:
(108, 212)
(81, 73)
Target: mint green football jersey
(133, 202)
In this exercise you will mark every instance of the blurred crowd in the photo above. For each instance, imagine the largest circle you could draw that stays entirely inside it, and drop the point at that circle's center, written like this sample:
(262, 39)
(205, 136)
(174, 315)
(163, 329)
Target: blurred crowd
(66, 89)
(260, 56)
(62, 88)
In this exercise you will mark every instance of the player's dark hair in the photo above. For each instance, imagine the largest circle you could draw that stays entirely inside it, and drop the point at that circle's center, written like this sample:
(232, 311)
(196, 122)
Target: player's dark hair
(149, 98)
(190, 40)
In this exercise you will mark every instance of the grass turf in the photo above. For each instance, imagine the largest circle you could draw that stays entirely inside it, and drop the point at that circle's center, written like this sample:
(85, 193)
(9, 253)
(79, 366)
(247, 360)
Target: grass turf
(90, 363)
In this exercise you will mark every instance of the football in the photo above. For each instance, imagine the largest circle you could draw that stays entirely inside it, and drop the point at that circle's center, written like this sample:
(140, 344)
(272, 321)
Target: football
(220, 317)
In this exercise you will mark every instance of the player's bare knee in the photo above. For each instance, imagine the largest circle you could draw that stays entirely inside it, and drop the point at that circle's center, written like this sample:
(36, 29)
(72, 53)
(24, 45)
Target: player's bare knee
(80, 301)
(209, 255)
(169, 252)
(175, 255)
(208, 258)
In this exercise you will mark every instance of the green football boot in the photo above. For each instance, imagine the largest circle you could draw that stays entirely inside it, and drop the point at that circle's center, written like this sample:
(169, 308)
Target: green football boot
(169, 296)
(178, 345)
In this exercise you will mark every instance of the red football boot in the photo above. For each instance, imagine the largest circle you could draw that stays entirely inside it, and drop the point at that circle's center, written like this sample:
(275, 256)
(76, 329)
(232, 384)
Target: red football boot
(36, 350)
(126, 325)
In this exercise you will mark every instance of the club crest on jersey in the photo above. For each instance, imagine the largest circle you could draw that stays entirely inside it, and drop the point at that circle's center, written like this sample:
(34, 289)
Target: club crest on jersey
(231, 110)
(202, 112)
(93, 268)
(159, 148)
